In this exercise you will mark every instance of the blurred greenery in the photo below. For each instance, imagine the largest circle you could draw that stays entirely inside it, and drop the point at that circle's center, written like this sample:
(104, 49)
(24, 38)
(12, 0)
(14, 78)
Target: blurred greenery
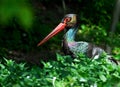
(17, 10)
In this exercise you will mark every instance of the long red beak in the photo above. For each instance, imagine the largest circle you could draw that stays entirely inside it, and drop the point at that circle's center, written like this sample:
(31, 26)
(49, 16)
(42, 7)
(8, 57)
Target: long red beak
(59, 28)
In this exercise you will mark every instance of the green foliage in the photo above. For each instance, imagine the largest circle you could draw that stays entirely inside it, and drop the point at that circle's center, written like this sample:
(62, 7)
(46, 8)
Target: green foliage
(114, 40)
(92, 33)
(97, 12)
(116, 51)
(65, 72)
(18, 9)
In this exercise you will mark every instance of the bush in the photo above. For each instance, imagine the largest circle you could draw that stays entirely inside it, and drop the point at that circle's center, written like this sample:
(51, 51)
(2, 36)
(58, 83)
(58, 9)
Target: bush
(65, 72)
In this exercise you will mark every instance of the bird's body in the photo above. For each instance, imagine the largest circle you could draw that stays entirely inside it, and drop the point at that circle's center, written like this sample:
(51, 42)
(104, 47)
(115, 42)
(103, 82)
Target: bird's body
(74, 48)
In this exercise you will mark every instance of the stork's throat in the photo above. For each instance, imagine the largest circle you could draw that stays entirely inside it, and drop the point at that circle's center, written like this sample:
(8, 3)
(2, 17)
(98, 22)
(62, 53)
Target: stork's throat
(70, 34)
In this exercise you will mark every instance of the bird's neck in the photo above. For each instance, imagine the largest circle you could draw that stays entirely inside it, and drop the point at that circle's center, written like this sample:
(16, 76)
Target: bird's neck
(70, 34)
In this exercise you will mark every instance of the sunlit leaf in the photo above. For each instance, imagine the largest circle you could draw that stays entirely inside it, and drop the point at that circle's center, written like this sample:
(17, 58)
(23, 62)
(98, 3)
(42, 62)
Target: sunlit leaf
(103, 78)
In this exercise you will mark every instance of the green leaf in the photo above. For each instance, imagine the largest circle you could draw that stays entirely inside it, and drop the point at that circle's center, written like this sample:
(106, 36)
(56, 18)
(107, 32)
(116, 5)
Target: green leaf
(103, 78)
(83, 26)
(2, 66)
(16, 85)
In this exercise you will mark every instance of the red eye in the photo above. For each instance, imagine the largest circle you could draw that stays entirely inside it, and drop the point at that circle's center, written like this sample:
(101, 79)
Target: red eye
(67, 19)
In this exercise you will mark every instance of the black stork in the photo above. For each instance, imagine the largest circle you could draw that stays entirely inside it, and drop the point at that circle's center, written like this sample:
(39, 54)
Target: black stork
(70, 46)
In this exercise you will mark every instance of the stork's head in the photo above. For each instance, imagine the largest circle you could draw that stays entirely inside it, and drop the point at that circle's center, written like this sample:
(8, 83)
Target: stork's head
(69, 20)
